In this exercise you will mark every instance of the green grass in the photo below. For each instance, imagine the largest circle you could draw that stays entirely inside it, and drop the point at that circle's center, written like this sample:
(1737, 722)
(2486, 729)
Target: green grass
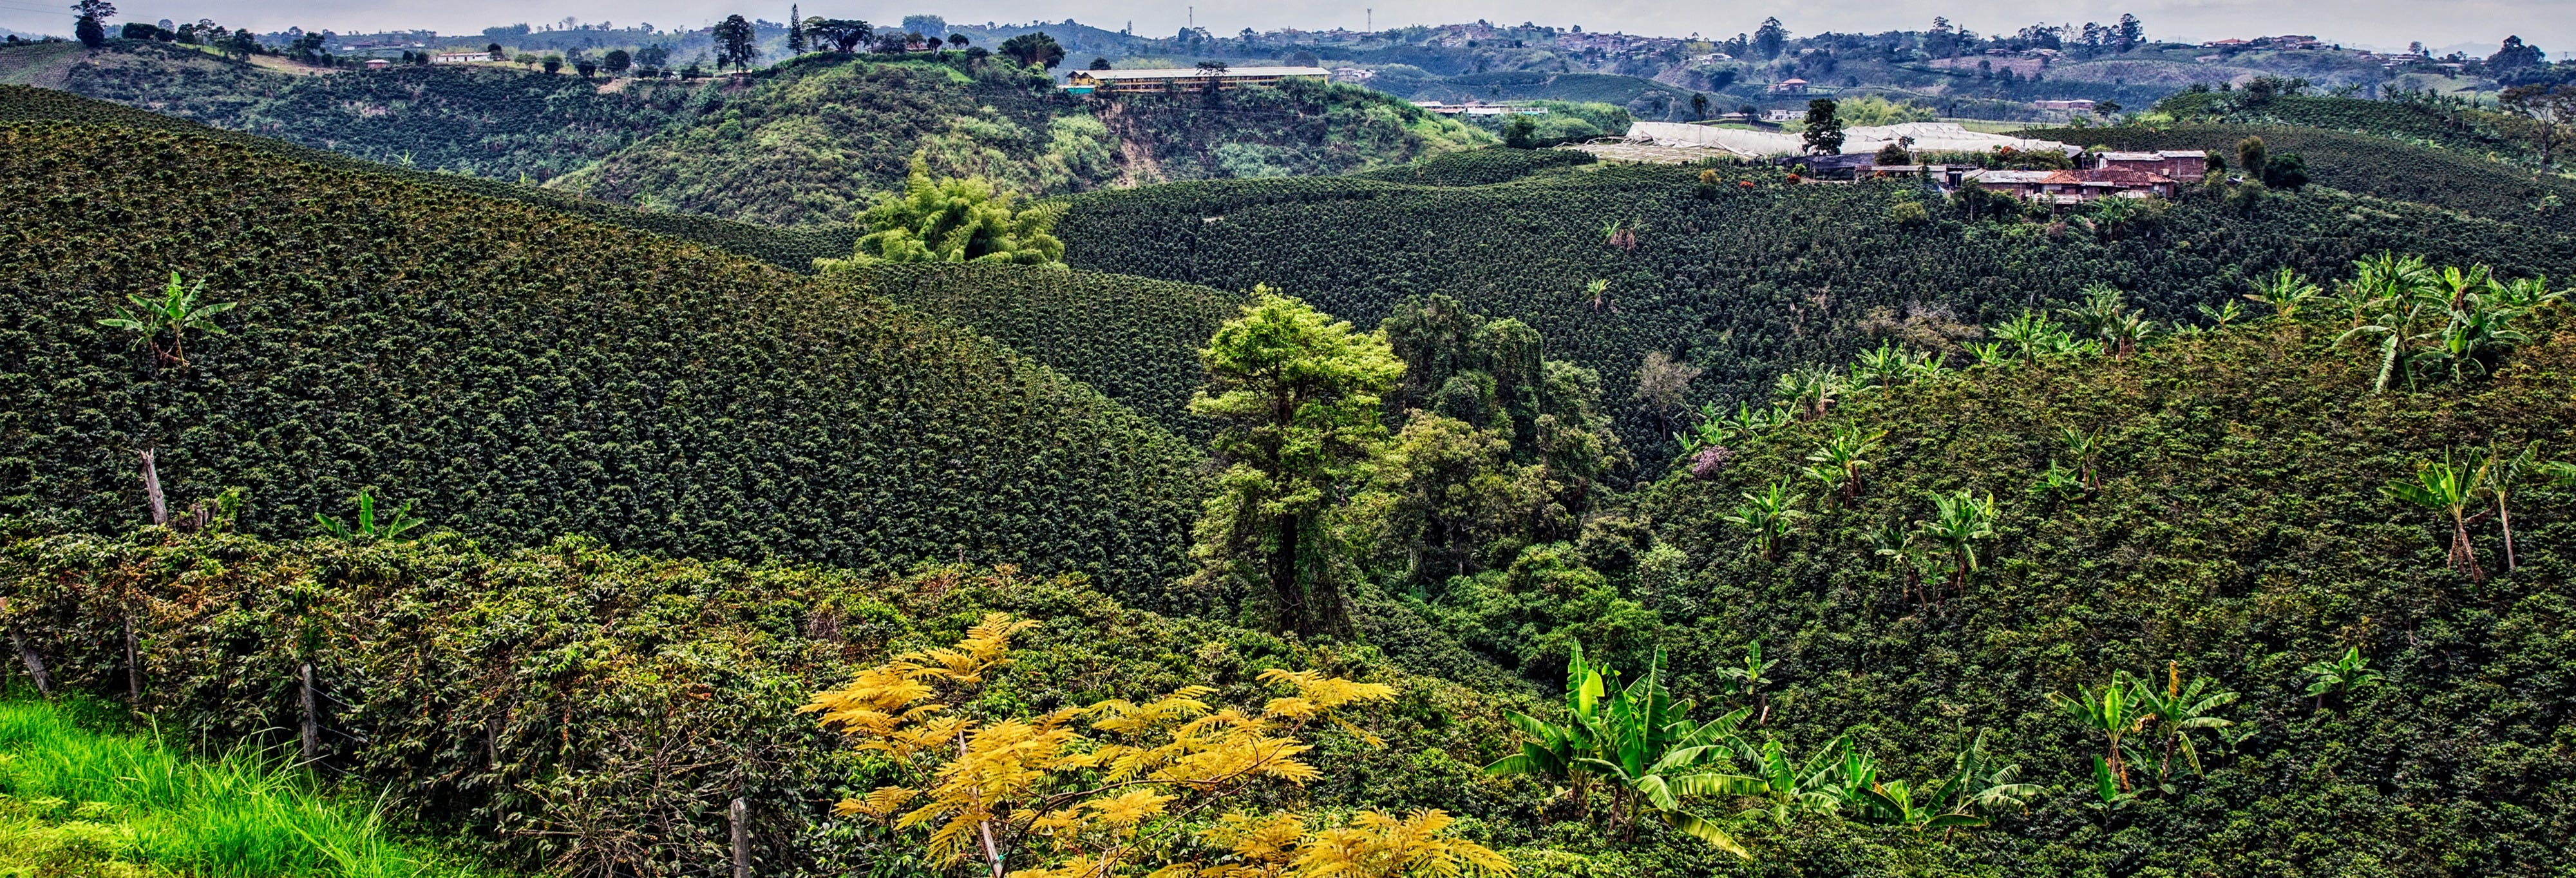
(77, 802)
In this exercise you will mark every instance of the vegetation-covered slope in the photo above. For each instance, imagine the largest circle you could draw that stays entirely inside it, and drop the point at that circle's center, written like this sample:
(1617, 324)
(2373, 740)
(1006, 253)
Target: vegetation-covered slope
(794, 249)
(812, 140)
(521, 374)
(2436, 121)
(493, 122)
(581, 710)
(1135, 340)
(2471, 183)
(1744, 281)
(2238, 532)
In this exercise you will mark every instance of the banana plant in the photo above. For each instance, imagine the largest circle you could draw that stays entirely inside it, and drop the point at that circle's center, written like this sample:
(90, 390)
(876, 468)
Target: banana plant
(1790, 787)
(2225, 313)
(2503, 476)
(1959, 521)
(1640, 744)
(2286, 292)
(2111, 710)
(2178, 711)
(1838, 463)
(1748, 680)
(1981, 788)
(2031, 335)
(2449, 488)
(368, 527)
(2086, 449)
(176, 312)
(2343, 676)
(2110, 797)
(1769, 515)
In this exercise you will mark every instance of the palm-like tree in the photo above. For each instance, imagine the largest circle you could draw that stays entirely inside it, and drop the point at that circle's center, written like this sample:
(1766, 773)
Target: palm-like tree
(2286, 292)
(2179, 710)
(176, 312)
(2450, 488)
(1959, 521)
(2111, 710)
(1808, 390)
(1769, 515)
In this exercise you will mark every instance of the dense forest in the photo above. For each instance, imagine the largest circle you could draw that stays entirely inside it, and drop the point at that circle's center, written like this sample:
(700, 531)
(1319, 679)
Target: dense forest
(1734, 270)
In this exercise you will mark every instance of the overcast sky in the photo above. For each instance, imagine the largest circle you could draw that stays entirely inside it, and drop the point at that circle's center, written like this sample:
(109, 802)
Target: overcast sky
(2550, 24)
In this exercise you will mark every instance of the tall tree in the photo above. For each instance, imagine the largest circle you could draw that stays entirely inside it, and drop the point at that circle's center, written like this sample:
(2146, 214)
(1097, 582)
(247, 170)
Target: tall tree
(1033, 50)
(1296, 398)
(2129, 33)
(2549, 111)
(954, 219)
(92, 26)
(1824, 135)
(795, 31)
(1770, 38)
(844, 34)
(736, 43)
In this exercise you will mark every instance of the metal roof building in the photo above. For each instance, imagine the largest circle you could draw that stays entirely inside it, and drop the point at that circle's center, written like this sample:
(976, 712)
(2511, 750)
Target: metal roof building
(1183, 78)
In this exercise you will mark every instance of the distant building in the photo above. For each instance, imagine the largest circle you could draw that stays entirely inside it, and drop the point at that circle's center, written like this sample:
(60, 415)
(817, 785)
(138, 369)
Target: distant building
(2076, 104)
(459, 57)
(2066, 187)
(1789, 87)
(1183, 78)
(378, 64)
(2178, 164)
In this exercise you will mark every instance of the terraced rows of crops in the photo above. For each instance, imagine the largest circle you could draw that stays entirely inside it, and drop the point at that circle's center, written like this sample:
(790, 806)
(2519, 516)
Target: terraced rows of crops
(522, 375)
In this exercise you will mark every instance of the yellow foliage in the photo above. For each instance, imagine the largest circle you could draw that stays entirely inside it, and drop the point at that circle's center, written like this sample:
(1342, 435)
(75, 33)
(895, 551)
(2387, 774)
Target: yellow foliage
(1042, 791)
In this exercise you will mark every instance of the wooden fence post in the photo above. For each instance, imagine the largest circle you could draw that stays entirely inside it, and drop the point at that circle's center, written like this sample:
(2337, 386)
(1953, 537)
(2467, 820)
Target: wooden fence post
(35, 663)
(152, 488)
(312, 732)
(740, 817)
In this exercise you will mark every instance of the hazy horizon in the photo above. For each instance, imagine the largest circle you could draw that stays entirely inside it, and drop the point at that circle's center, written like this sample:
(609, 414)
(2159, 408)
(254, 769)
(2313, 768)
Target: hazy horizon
(2383, 24)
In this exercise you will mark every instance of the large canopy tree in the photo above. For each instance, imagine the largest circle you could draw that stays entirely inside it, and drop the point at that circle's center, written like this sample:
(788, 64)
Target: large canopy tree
(1296, 395)
(956, 219)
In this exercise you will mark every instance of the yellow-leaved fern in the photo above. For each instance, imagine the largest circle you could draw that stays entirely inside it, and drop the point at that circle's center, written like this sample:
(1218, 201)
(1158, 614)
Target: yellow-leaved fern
(1113, 788)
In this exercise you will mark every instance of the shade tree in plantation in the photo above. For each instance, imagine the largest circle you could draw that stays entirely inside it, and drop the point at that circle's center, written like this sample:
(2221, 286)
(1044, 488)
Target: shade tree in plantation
(737, 44)
(1296, 398)
(954, 219)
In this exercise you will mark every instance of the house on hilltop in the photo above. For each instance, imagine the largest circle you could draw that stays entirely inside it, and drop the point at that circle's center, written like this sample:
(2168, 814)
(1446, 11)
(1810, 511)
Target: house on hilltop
(1183, 79)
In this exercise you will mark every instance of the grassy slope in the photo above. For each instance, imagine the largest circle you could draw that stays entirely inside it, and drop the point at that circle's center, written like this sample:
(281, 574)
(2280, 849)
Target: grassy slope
(74, 801)
(1747, 282)
(2377, 166)
(2462, 129)
(793, 249)
(2239, 531)
(522, 374)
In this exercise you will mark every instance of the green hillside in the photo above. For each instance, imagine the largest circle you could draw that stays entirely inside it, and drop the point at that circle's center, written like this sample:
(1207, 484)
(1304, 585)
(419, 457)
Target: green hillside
(2238, 532)
(1745, 282)
(812, 140)
(794, 249)
(521, 374)
(570, 707)
(2466, 128)
(501, 123)
(2468, 182)
(1135, 340)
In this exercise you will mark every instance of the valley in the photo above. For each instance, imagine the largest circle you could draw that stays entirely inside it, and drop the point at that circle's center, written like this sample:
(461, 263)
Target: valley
(860, 449)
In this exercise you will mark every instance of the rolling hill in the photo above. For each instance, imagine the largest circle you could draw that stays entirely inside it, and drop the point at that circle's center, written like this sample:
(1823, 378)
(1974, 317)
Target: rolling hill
(2469, 182)
(520, 374)
(1745, 281)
